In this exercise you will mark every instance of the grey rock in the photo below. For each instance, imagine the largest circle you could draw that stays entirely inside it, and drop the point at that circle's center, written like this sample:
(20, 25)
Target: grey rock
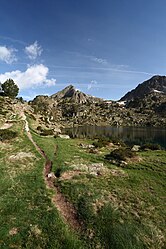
(135, 148)
(64, 136)
(87, 146)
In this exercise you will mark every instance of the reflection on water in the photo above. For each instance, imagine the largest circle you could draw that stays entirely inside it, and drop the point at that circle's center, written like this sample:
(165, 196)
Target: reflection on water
(130, 135)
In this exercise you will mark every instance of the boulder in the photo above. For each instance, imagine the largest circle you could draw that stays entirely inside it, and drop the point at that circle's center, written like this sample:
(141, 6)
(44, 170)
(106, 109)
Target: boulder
(64, 136)
(87, 146)
(123, 163)
(57, 130)
(51, 175)
(135, 148)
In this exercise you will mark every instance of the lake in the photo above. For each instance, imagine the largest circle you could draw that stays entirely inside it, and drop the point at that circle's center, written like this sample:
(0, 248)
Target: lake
(130, 135)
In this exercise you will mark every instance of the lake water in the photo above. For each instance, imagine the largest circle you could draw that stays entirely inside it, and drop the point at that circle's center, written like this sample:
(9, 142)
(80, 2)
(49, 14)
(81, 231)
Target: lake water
(130, 135)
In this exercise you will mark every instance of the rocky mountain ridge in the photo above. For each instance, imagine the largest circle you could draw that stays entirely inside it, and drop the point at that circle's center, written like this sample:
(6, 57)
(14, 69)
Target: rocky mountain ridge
(156, 84)
(143, 106)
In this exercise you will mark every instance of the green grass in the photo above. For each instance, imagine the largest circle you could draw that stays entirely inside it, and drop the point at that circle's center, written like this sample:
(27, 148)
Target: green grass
(117, 211)
(27, 217)
(123, 210)
(61, 151)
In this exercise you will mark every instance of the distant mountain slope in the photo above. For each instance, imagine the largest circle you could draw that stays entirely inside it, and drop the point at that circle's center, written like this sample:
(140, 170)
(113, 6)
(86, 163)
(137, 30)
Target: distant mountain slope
(73, 95)
(155, 84)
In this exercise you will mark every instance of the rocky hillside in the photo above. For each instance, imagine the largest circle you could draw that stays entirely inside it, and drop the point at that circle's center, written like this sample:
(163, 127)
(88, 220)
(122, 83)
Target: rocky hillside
(155, 84)
(145, 106)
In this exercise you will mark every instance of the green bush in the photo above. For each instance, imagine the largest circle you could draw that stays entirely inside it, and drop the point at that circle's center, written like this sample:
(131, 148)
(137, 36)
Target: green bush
(21, 100)
(3, 112)
(47, 132)
(117, 141)
(32, 117)
(120, 154)
(101, 142)
(150, 147)
(39, 128)
(7, 134)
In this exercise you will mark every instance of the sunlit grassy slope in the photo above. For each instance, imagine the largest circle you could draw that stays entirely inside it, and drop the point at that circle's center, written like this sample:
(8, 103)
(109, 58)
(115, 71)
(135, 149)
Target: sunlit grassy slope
(122, 207)
(27, 217)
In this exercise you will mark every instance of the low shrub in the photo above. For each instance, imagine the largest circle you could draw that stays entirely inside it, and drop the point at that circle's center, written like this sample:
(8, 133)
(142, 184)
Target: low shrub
(32, 117)
(120, 154)
(47, 132)
(150, 146)
(7, 134)
(101, 142)
(21, 100)
(39, 128)
(117, 141)
(3, 112)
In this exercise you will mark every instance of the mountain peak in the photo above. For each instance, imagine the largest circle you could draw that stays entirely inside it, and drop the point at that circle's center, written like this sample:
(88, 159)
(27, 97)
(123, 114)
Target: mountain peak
(74, 95)
(70, 87)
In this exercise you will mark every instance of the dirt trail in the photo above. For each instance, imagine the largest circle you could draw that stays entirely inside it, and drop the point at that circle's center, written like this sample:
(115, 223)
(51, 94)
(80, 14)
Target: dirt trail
(66, 209)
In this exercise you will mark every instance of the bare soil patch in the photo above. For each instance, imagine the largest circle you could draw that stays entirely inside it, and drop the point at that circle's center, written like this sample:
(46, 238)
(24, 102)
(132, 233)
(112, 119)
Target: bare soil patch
(67, 211)
(65, 208)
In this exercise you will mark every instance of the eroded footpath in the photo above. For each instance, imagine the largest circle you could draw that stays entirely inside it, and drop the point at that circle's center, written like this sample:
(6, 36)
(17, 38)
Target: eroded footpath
(65, 208)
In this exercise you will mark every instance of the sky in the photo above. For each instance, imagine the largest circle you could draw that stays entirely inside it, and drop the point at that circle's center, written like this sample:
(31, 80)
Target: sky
(104, 48)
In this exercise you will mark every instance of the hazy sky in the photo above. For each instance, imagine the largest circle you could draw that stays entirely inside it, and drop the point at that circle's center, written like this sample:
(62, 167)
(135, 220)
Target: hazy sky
(103, 47)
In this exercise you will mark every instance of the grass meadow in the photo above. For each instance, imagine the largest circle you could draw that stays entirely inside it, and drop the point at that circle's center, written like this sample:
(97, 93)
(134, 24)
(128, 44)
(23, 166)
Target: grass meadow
(123, 207)
(28, 218)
